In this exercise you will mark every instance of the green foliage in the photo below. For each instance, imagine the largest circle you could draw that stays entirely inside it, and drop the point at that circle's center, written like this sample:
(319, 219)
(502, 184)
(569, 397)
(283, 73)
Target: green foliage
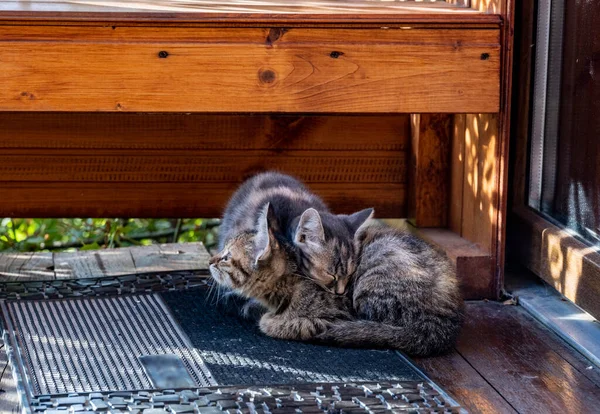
(89, 234)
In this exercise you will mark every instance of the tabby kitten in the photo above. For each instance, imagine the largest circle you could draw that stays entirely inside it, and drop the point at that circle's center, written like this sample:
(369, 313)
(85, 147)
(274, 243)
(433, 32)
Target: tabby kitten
(261, 265)
(407, 286)
(324, 241)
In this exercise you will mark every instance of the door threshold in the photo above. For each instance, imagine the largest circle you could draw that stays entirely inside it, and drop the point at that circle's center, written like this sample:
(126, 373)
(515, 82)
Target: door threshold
(574, 325)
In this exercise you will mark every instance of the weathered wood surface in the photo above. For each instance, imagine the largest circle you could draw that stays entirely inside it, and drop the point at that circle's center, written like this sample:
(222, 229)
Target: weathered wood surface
(93, 264)
(26, 266)
(170, 257)
(250, 70)
(507, 362)
(102, 263)
(429, 171)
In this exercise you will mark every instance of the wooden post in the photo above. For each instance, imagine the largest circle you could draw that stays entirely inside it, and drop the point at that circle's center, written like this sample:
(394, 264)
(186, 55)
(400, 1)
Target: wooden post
(429, 173)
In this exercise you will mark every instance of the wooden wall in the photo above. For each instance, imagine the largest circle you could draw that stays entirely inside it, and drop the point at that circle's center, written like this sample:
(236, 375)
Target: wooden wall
(178, 165)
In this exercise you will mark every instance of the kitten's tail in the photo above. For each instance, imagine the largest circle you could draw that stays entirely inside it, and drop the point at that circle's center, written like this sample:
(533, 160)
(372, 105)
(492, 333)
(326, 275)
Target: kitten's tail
(369, 334)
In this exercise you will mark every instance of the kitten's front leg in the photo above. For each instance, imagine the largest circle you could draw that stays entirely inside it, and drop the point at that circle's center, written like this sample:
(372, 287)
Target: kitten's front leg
(285, 327)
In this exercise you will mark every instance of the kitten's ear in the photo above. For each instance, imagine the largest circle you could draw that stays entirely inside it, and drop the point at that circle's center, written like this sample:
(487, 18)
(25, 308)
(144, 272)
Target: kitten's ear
(359, 219)
(264, 239)
(310, 227)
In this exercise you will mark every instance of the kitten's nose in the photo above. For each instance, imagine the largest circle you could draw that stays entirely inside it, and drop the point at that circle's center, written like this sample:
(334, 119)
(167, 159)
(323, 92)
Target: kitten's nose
(214, 260)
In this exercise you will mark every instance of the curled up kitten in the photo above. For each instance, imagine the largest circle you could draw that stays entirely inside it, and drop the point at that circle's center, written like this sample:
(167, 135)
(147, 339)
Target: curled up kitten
(405, 285)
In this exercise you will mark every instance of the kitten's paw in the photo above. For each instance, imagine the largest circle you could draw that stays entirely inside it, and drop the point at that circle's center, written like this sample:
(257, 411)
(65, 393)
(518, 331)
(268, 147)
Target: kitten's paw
(302, 329)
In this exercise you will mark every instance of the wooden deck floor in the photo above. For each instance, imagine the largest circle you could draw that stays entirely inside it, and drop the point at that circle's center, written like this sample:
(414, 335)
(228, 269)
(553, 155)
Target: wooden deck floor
(504, 362)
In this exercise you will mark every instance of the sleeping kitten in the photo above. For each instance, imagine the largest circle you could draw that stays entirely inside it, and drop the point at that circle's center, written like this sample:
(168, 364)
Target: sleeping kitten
(324, 241)
(407, 285)
(261, 265)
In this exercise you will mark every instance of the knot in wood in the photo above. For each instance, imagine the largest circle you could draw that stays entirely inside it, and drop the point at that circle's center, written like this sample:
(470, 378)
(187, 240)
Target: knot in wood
(163, 54)
(266, 76)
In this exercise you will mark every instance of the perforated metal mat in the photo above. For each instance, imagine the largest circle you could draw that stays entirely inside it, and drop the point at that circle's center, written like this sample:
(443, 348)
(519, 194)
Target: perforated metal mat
(94, 344)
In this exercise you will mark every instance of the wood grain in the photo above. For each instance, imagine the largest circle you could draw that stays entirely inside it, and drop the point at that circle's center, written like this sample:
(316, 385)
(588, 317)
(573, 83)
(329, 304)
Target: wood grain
(524, 362)
(429, 172)
(177, 131)
(93, 264)
(246, 70)
(463, 382)
(457, 174)
(480, 192)
(169, 257)
(160, 200)
(200, 167)
(26, 266)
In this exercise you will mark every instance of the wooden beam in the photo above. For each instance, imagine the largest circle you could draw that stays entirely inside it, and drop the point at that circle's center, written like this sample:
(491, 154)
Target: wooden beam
(429, 172)
(249, 70)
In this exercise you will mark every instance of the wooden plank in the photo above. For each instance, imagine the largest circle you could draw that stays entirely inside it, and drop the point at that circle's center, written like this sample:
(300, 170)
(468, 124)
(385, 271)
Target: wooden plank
(480, 192)
(457, 174)
(151, 131)
(170, 257)
(26, 266)
(250, 70)
(465, 384)
(200, 166)
(430, 170)
(93, 264)
(525, 362)
(200, 199)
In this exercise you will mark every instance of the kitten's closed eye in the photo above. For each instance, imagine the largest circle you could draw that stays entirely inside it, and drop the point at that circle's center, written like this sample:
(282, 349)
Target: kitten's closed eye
(219, 258)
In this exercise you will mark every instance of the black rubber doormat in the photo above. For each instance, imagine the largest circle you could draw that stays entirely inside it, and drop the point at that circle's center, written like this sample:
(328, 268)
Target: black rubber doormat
(236, 352)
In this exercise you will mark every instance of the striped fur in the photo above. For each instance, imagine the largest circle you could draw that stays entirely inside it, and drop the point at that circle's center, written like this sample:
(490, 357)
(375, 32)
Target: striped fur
(323, 241)
(408, 287)
(260, 265)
